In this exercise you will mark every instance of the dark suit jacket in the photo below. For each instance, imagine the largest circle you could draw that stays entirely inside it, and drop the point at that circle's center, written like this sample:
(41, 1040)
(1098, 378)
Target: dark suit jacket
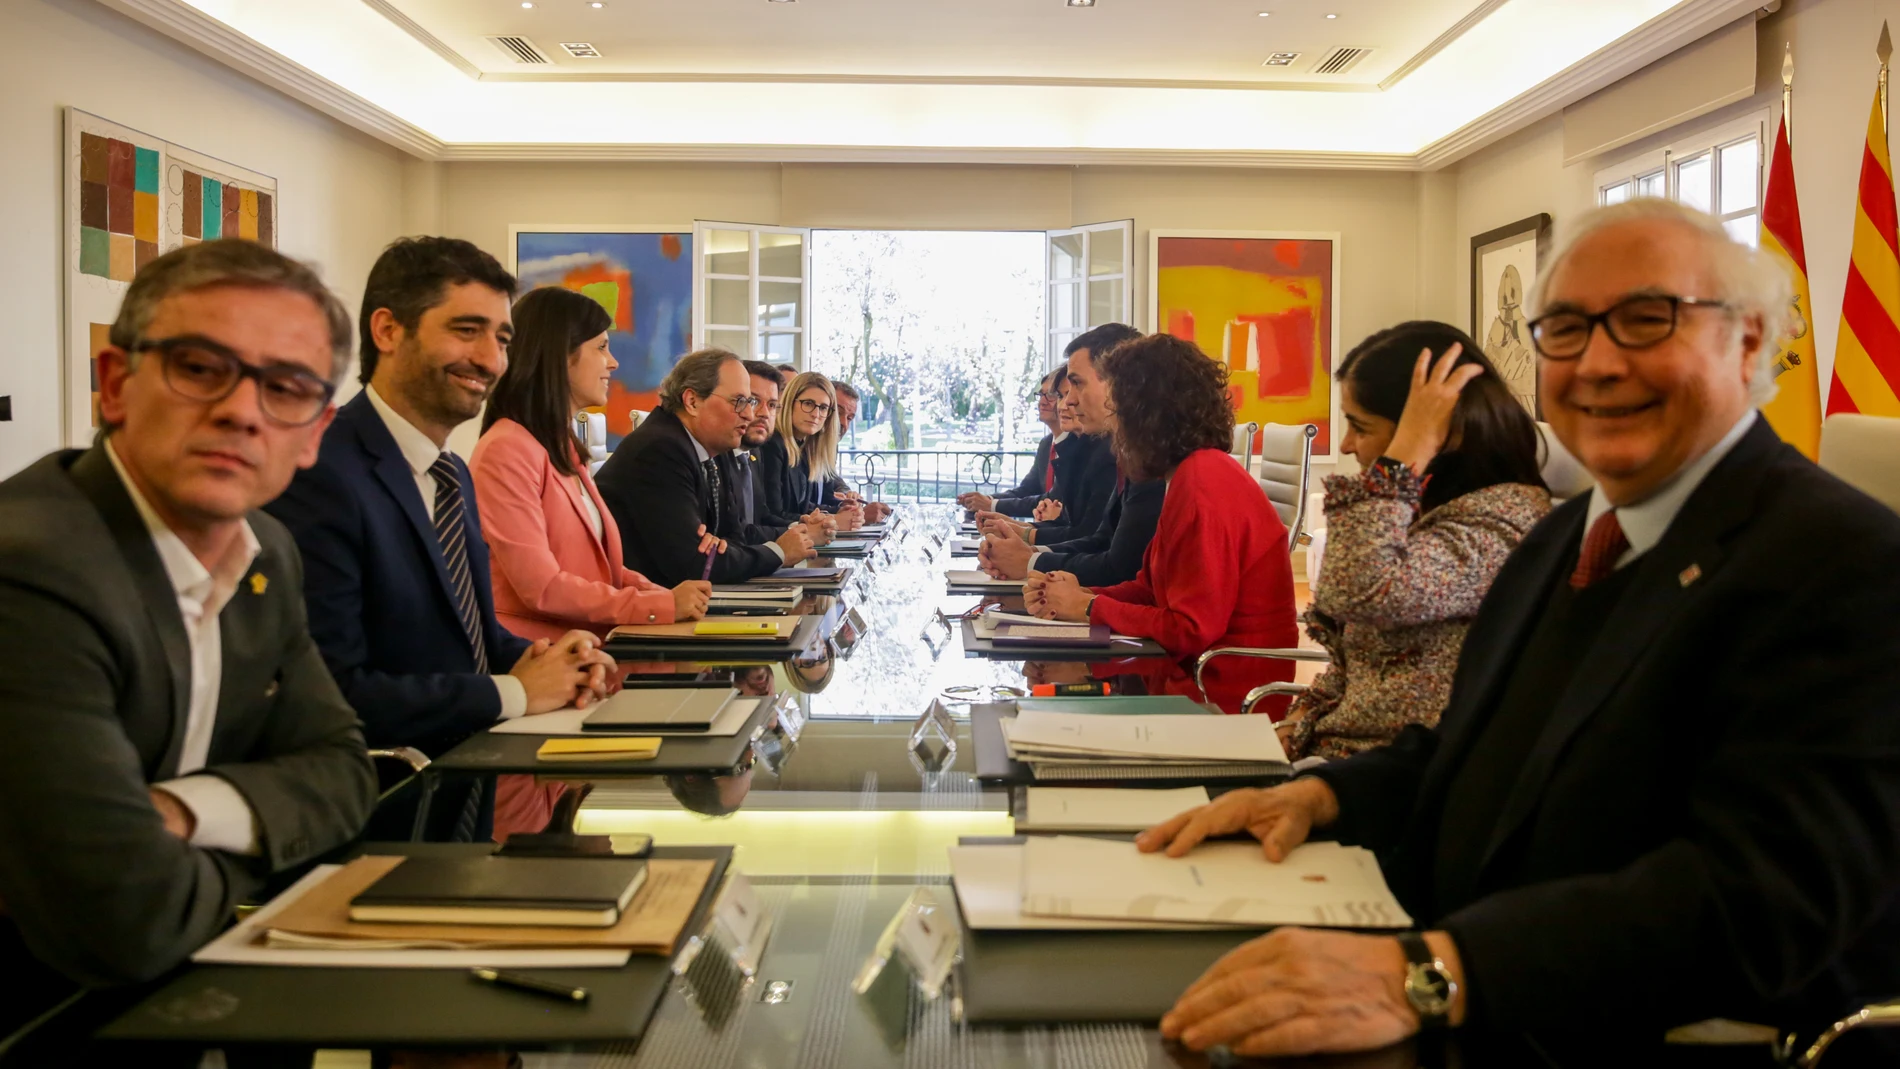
(1113, 552)
(1086, 483)
(1022, 500)
(771, 485)
(94, 695)
(382, 607)
(1707, 824)
(659, 496)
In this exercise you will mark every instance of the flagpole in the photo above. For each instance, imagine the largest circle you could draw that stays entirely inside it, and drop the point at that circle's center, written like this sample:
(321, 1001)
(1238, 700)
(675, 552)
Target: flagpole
(1787, 93)
(1885, 52)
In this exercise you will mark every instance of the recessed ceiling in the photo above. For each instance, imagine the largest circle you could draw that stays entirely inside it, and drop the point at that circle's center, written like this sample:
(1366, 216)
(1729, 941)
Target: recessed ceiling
(1116, 41)
(1027, 81)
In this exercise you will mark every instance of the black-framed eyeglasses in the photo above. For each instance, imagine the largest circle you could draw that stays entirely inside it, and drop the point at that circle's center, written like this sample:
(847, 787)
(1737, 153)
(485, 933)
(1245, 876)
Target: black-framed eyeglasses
(814, 408)
(199, 369)
(1633, 323)
(1046, 395)
(744, 402)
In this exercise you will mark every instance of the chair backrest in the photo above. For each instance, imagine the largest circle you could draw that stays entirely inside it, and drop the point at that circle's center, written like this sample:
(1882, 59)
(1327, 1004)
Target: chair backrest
(1286, 466)
(1564, 474)
(1243, 443)
(1864, 451)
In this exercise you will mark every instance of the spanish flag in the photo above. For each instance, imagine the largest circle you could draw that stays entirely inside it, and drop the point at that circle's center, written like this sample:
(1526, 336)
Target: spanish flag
(1795, 413)
(1867, 356)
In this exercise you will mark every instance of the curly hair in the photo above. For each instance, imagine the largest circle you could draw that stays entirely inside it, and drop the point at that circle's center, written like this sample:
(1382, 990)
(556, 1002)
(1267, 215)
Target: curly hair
(1170, 399)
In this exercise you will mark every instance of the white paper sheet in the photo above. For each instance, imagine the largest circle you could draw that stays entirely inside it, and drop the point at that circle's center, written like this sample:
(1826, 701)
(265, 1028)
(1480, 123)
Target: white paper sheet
(1203, 738)
(1105, 808)
(239, 946)
(974, 578)
(564, 722)
(1322, 885)
(988, 882)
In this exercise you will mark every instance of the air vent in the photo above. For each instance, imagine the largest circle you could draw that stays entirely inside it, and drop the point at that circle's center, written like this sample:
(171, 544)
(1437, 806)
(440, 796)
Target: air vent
(1341, 60)
(581, 50)
(1281, 59)
(520, 49)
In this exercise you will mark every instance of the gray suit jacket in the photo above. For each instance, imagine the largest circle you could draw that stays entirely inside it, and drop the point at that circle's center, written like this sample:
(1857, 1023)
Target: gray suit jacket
(94, 685)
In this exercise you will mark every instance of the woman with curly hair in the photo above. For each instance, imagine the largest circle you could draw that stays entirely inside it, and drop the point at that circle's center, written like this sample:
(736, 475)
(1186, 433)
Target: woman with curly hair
(1216, 572)
(1449, 487)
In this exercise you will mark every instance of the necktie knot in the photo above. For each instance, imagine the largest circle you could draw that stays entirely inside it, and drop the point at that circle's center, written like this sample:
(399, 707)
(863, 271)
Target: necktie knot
(1603, 545)
(444, 469)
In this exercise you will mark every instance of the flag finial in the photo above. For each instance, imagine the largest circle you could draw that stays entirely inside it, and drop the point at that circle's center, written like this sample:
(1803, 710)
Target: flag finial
(1885, 48)
(1787, 68)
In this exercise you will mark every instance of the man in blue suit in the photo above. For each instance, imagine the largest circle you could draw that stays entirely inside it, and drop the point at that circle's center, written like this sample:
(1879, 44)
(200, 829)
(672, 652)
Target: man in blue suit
(395, 570)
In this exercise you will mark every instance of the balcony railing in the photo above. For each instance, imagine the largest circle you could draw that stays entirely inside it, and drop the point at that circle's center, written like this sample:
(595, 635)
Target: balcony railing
(929, 475)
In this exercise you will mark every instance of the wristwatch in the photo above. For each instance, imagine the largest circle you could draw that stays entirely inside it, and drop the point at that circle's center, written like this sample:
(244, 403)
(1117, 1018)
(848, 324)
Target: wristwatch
(1428, 984)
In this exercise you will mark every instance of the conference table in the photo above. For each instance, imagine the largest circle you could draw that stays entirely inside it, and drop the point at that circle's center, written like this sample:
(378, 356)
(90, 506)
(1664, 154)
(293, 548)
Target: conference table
(837, 809)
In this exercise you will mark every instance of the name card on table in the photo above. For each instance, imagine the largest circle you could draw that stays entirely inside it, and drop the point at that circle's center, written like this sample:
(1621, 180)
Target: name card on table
(922, 938)
(737, 934)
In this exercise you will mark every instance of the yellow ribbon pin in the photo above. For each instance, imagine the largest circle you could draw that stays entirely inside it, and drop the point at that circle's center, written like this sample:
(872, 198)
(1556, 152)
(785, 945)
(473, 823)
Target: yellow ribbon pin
(259, 583)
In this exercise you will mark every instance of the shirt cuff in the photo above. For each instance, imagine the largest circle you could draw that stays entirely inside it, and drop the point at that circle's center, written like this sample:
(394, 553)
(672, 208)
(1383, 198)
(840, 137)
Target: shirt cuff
(1034, 556)
(514, 696)
(222, 818)
(778, 549)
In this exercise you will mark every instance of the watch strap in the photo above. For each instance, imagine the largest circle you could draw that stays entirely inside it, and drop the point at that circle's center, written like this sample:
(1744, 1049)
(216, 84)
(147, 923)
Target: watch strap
(1433, 1013)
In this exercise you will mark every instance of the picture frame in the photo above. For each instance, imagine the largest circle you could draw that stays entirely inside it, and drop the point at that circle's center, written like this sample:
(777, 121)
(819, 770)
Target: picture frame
(1267, 303)
(1504, 266)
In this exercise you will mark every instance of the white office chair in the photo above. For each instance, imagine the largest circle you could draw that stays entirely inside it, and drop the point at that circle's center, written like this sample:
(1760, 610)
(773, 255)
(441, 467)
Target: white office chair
(1286, 468)
(1563, 473)
(1243, 444)
(1865, 452)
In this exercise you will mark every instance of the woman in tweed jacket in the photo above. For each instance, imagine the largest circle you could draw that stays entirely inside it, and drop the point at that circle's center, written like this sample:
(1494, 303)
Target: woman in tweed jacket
(1450, 486)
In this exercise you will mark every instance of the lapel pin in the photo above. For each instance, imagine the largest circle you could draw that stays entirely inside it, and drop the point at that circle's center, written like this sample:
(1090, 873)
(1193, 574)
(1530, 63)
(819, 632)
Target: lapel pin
(258, 583)
(1690, 574)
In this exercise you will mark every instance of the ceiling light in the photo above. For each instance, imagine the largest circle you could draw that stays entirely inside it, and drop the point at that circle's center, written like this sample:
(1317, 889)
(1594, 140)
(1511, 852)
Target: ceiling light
(1081, 3)
(1264, 14)
(597, 5)
(527, 3)
(1332, 16)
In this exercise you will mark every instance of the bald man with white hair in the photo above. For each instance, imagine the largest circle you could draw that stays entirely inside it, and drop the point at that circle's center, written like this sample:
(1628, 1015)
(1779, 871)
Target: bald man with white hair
(1667, 784)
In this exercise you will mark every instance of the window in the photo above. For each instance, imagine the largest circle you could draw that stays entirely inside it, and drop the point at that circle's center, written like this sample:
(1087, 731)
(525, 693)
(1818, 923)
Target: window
(751, 283)
(1087, 276)
(1718, 170)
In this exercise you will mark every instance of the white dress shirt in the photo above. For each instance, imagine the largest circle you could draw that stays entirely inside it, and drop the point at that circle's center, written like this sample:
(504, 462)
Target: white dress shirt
(701, 452)
(420, 451)
(224, 820)
(1645, 522)
(591, 511)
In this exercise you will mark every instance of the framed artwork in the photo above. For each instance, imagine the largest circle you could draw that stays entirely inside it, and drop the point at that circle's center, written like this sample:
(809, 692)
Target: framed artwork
(642, 276)
(130, 198)
(1504, 266)
(1266, 304)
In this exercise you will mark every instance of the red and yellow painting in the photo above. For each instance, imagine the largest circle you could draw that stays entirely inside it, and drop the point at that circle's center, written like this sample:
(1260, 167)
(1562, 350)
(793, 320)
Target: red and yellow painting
(1264, 307)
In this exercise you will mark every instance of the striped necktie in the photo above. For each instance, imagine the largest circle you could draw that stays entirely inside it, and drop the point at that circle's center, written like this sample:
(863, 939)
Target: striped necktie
(451, 530)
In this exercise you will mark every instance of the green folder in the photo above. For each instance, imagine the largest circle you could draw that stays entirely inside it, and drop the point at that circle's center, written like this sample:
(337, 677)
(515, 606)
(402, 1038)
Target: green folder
(1116, 704)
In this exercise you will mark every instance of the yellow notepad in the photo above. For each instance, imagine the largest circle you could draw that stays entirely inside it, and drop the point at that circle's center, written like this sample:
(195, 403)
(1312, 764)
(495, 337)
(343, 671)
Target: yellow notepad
(614, 749)
(736, 627)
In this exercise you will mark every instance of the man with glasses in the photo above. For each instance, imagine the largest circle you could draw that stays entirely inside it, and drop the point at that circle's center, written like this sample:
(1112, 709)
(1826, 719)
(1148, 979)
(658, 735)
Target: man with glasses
(674, 475)
(1667, 784)
(171, 736)
(396, 571)
(757, 470)
(1022, 500)
(843, 495)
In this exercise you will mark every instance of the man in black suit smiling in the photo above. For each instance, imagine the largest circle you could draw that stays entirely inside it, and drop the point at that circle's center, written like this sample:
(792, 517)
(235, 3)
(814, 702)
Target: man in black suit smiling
(1667, 783)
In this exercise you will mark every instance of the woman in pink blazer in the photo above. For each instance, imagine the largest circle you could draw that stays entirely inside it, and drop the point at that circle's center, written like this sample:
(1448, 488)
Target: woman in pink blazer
(553, 549)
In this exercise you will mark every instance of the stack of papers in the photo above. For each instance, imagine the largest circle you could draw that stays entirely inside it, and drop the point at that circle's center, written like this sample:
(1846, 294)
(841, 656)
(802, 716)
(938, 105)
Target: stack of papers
(1104, 809)
(749, 594)
(568, 722)
(958, 577)
(803, 572)
(1059, 745)
(1014, 628)
(1075, 883)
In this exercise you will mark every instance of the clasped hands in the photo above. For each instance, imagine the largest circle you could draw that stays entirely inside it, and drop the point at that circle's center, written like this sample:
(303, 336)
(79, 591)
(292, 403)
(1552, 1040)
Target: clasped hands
(568, 671)
(1292, 991)
(1057, 596)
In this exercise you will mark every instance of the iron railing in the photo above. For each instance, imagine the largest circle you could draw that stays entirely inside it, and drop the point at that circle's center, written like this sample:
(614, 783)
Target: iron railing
(930, 475)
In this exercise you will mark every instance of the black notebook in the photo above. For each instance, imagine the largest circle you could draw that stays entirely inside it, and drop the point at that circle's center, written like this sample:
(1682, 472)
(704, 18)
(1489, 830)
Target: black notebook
(552, 891)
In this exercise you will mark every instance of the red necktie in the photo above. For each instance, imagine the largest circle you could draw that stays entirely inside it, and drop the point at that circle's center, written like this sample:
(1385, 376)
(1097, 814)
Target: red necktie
(1601, 548)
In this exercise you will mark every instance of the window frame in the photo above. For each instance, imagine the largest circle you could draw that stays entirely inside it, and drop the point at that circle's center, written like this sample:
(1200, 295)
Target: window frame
(1707, 141)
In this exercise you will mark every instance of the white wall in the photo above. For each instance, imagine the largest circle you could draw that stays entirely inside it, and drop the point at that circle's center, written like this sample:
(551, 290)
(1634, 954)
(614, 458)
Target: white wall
(1835, 71)
(339, 192)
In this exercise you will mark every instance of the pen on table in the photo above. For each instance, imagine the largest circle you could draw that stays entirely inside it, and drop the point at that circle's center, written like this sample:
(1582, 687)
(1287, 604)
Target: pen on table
(706, 576)
(564, 992)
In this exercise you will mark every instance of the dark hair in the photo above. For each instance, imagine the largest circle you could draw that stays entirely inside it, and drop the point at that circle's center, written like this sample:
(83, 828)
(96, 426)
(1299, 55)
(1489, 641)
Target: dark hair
(1492, 439)
(761, 370)
(846, 388)
(1170, 400)
(550, 323)
(697, 371)
(414, 274)
(1099, 340)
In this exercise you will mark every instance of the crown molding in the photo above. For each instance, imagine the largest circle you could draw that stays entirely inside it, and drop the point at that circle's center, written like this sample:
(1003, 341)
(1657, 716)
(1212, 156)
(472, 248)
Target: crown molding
(700, 77)
(187, 24)
(1071, 157)
(424, 37)
(1443, 41)
(1628, 54)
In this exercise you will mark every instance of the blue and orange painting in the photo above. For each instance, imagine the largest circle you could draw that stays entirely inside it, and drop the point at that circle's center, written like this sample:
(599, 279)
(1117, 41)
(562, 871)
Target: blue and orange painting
(645, 281)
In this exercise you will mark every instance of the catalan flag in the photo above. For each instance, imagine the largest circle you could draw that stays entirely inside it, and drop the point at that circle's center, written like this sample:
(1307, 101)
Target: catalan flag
(1795, 412)
(1867, 356)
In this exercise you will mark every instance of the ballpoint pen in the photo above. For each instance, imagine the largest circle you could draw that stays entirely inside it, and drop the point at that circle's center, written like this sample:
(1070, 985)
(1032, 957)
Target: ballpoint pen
(564, 992)
(706, 576)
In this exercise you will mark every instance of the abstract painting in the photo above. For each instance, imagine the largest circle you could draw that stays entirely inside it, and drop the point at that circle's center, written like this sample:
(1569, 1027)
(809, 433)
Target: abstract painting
(1264, 304)
(643, 278)
(1503, 270)
(130, 198)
